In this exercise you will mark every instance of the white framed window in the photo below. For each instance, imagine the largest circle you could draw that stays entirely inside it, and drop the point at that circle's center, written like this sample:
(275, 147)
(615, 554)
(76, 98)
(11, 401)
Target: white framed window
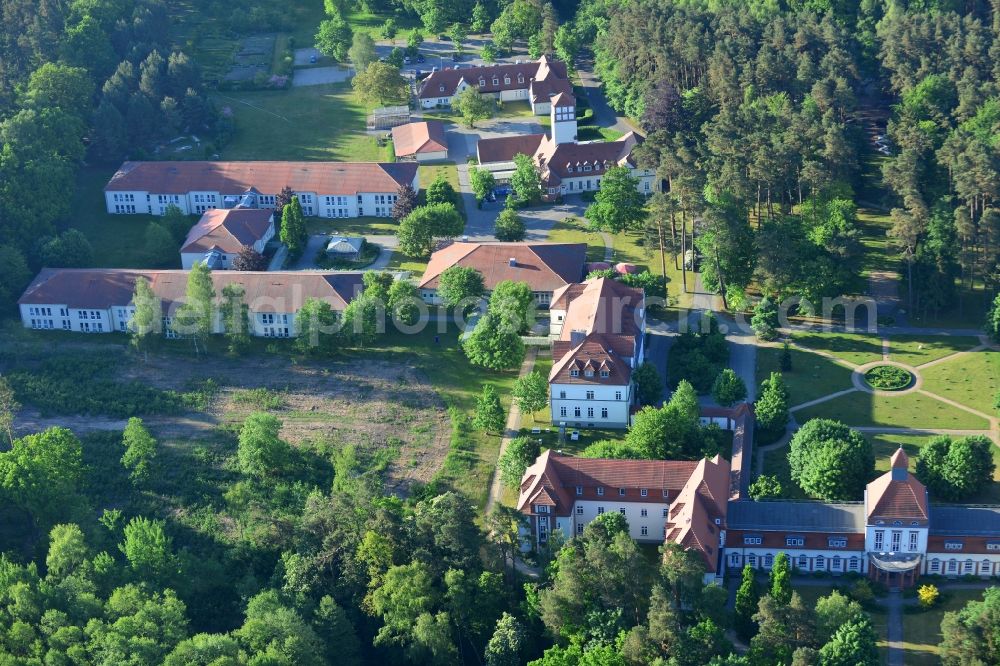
(914, 538)
(604, 412)
(879, 540)
(643, 492)
(621, 510)
(643, 513)
(621, 492)
(665, 513)
(953, 545)
(752, 540)
(644, 531)
(600, 491)
(600, 510)
(836, 542)
(579, 510)
(590, 395)
(579, 490)
(579, 528)
(794, 541)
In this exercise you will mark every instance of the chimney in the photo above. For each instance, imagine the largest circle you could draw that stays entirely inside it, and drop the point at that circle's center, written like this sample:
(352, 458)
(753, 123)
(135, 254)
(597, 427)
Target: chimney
(512, 262)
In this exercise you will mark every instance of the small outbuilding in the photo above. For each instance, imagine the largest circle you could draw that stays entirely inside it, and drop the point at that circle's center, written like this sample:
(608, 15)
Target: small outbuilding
(424, 141)
(344, 248)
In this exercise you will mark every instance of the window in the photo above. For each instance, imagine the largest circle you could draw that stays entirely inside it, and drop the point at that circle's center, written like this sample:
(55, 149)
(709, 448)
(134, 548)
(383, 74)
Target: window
(562, 395)
(897, 541)
(579, 528)
(803, 562)
(953, 545)
(643, 492)
(879, 540)
(752, 560)
(618, 395)
(600, 491)
(621, 492)
(520, 78)
(664, 513)
(993, 546)
(590, 412)
(768, 561)
(854, 564)
(820, 563)
(482, 81)
(914, 537)
(588, 373)
(643, 513)
(644, 531)
(579, 510)
(836, 563)
(541, 508)
(590, 395)
(576, 412)
(579, 490)
(935, 566)
(506, 80)
(621, 510)
(794, 541)
(752, 540)
(969, 566)
(605, 374)
(952, 566)
(562, 411)
(574, 373)
(600, 511)
(836, 542)
(604, 412)
(496, 81)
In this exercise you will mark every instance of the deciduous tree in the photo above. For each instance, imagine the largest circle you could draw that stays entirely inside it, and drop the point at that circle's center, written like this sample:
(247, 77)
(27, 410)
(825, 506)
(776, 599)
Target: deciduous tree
(531, 393)
(419, 230)
(509, 226)
(460, 285)
(362, 51)
(473, 106)
(334, 37)
(508, 641)
(140, 450)
(747, 597)
(249, 259)
(618, 205)
(489, 412)
(956, 469)
(9, 407)
(771, 408)
(196, 316)
(525, 182)
(293, 228)
(406, 201)
(381, 83)
(440, 191)
(781, 579)
(482, 182)
(520, 453)
(494, 345)
(830, 461)
(648, 384)
(765, 486)
(969, 635)
(728, 388)
(261, 453)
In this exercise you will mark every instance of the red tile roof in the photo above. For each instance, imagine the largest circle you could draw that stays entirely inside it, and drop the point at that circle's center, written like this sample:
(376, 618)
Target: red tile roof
(542, 266)
(897, 494)
(422, 137)
(276, 291)
(504, 148)
(228, 230)
(321, 178)
(546, 72)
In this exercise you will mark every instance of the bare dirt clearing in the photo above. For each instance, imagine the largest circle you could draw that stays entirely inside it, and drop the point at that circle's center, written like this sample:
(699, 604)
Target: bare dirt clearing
(381, 407)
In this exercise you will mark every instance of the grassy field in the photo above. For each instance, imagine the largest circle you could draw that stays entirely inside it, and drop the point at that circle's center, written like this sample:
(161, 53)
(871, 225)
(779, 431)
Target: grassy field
(885, 445)
(922, 630)
(971, 379)
(910, 410)
(812, 376)
(919, 349)
(118, 240)
(854, 348)
(574, 230)
(352, 226)
(310, 123)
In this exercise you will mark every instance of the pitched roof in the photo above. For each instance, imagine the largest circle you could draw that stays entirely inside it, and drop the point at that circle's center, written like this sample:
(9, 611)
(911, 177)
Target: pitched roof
(277, 291)
(544, 69)
(693, 513)
(557, 158)
(423, 137)
(321, 178)
(542, 266)
(897, 494)
(504, 148)
(557, 475)
(965, 520)
(228, 230)
(797, 516)
(602, 306)
(596, 354)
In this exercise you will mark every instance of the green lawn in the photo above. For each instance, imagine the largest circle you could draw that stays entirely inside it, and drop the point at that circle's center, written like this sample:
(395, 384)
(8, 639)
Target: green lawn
(812, 376)
(352, 226)
(922, 630)
(118, 240)
(919, 349)
(971, 379)
(574, 230)
(910, 410)
(879, 253)
(404, 262)
(855, 348)
(310, 123)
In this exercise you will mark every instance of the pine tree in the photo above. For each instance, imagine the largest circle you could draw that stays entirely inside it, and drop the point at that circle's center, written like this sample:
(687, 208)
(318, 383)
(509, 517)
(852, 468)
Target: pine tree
(140, 449)
(293, 228)
(747, 597)
(489, 412)
(781, 579)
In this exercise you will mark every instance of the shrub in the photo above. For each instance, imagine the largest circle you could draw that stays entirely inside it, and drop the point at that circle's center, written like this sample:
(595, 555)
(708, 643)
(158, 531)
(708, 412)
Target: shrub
(888, 378)
(928, 595)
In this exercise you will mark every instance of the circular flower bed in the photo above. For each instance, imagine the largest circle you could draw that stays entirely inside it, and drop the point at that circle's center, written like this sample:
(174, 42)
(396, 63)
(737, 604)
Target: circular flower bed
(888, 378)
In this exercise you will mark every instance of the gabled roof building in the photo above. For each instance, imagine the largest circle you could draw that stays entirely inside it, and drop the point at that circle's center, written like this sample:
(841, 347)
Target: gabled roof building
(893, 536)
(220, 234)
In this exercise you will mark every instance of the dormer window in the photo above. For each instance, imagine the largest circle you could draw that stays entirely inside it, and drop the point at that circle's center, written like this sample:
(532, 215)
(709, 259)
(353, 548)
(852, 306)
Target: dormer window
(600, 490)
(569, 169)
(482, 82)
(520, 78)
(579, 490)
(597, 167)
(621, 492)
(506, 80)
(586, 167)
(441, 88)
(574, 373)
(605, 374)
(496, 81)
(588, 373)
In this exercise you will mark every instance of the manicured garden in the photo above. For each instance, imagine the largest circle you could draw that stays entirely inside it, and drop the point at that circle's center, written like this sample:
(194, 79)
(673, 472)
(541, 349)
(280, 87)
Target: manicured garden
(916, 350)
(922, 628)
(888, 378)
(855, 348)
(812, 376)
(971, 379)
(908, 410)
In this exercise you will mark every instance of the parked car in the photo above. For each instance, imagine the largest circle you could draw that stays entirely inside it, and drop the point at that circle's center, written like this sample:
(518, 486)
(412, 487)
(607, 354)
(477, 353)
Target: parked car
(420, 57)
(407, 60)
(312, 58)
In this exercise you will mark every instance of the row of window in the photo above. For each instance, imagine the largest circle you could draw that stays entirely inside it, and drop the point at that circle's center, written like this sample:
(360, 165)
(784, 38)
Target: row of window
(91, 314)
(643, 513)
(589, 372)
(202, 208)
(45, 324)
(643, 530)
(590, 412)
(819, 563)
(954, 566)
(496, 80)
(204, 198)
(268, 318)
(124, 208)
(586, 167)
(124, 197)
(795, 541)
(168, 198)
(896, 541)
(643, 492)
(590, 395)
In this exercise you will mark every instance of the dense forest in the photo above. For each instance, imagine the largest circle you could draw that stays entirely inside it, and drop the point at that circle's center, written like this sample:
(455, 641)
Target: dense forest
(770, 113)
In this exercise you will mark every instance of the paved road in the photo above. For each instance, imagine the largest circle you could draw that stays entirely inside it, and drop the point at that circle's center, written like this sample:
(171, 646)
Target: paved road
(510, 431)
(604, 115)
